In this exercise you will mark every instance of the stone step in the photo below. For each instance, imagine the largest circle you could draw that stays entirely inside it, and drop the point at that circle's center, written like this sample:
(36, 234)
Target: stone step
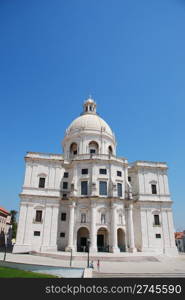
(83, 257)
(137, 275)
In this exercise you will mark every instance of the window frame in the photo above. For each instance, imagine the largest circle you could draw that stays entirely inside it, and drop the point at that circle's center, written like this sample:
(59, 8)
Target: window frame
(103, 171)
(38, 211)
(84, 182)
(102, 189)
(119, 172)
(63, 216)
(154, 188)
(36, 233)
(42, 185)
(158, 235)
(119, 184)
(157, 220)
(84, 171)
(65, 183)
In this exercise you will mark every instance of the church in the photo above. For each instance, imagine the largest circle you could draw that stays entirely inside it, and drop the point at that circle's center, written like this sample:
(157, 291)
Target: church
(88, 199)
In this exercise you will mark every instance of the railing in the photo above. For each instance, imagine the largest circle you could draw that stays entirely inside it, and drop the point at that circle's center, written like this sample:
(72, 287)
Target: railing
(96, 156)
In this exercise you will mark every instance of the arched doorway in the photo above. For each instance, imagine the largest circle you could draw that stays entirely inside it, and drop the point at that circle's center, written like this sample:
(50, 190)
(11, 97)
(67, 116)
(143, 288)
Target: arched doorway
(121, 239)
(82, 236)
(102, 240)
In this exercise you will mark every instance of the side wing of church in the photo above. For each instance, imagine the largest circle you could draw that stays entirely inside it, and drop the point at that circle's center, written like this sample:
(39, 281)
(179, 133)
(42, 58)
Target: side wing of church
(89, 197)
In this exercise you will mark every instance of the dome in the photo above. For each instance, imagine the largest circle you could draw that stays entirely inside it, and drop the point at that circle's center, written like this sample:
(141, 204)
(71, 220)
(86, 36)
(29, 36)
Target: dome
(89, 122)
(88, 134)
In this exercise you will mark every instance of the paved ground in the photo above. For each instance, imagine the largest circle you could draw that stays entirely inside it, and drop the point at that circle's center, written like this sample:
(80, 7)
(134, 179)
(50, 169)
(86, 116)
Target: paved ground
(126, 264)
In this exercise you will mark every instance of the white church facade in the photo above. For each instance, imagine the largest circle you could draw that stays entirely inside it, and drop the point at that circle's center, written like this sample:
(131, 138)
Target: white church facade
(88, 197)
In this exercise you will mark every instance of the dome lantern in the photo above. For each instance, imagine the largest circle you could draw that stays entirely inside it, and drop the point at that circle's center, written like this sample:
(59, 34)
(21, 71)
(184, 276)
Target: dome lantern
(89, 106)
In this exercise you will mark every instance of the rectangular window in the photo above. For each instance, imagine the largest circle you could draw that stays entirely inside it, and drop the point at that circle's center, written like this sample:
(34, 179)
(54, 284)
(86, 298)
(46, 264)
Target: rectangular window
(65, 185)
(156, 220)
(84, 171)
(103, 188)
(119, 173)
(158, 235)
(66, 174)
(36, 233)
(42, 181)
(62, 234)
(129, 179)
(64, 196)
(38, 217)
(84, 187)
(154, 189)
(103, 171)
(119, 188)
(63, 216)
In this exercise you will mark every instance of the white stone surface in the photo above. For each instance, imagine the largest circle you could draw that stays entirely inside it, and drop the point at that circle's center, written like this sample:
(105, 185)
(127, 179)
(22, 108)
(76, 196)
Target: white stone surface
(121, 222)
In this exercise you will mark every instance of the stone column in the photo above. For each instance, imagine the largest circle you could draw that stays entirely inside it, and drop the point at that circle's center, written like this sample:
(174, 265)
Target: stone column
(46, 228)
(114, 230)
(28, 226)
(71, 228)
(19, 246)
(54, 228)
(93, 234)
(131, 229)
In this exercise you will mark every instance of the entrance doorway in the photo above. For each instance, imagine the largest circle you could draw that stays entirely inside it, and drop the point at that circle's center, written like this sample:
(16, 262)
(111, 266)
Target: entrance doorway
(102, 240)
(82, 236)
(121, 239)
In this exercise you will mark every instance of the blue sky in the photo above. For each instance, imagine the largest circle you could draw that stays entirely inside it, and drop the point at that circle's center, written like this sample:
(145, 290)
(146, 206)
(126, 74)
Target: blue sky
(129, 54)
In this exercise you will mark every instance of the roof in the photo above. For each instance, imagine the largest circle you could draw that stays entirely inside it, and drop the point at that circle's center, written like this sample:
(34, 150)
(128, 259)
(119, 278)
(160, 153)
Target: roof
(4, 211)
(179, 235)
(89, 122)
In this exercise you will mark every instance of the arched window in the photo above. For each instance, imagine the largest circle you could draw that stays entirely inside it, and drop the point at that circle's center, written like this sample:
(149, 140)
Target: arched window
(73, 149)
(93, 147)
(110, 150)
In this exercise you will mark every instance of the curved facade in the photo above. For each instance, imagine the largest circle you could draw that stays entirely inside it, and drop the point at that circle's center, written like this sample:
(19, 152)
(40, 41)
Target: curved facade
(89, 197)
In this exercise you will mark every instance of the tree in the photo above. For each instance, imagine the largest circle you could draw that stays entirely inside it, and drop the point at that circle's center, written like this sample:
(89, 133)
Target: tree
(14, 223)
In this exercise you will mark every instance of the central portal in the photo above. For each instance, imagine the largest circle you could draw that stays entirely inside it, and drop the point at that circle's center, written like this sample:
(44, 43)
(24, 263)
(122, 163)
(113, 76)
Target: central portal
(102, 240)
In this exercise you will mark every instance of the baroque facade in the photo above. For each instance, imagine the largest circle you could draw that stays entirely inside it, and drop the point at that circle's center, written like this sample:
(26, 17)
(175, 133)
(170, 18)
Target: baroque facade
(90, 198)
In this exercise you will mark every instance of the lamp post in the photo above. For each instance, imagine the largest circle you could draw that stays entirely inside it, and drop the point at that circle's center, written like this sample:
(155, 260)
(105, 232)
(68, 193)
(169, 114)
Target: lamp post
(88, 246)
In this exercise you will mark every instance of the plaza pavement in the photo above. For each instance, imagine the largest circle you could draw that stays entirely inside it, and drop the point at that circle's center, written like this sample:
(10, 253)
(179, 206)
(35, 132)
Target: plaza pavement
(122, 265)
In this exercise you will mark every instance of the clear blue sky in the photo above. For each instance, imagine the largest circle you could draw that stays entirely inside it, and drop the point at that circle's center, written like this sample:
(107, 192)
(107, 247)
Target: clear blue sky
(129, 54)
